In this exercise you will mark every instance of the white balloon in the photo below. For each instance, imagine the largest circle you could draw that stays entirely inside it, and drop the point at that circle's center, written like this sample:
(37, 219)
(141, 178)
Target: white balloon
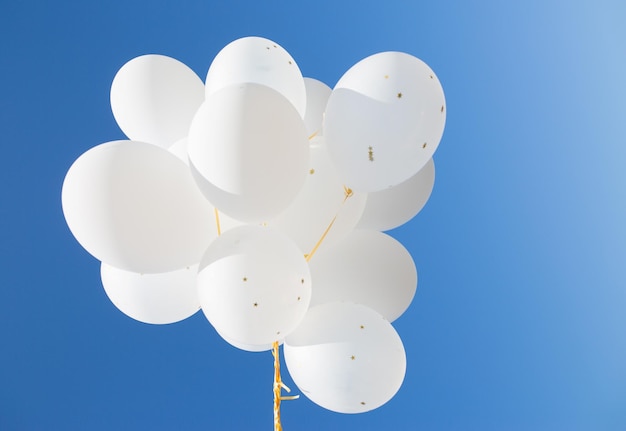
(369, 268)
(317, 94)
(257, 60)
(322, 200)
(154, 98)
(135, 206)
(392, 207)
(254, 285)
(249, 151)
(346, 358)
(152, 298)
(384, 120)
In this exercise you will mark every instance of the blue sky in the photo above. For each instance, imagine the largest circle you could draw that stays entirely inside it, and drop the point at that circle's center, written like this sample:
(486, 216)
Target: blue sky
(518, 322)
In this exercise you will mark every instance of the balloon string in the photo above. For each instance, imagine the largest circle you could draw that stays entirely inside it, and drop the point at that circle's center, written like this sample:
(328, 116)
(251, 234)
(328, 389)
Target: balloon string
(348, 193)
(278, 386)
(217, 222)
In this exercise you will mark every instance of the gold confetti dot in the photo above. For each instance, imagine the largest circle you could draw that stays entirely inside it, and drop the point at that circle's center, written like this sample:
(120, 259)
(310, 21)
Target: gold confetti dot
(277, 332)
(302, 280)
(362, 403)
(386, 76)
(245, 279)
(431, 77)
(256, 304)
(399, 95)
(441, 108)
(424, 146)
(312, 171)
(370, 153)
(290, 62)
(353, 357)
(299, 298)
(362, 327)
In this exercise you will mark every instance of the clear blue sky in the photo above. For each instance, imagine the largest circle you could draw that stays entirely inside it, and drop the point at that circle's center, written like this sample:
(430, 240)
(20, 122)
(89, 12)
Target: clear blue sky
(519, 321)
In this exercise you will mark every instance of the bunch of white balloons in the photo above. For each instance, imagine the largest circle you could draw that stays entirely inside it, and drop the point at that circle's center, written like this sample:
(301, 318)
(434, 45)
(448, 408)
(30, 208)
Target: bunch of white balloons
(260, 197)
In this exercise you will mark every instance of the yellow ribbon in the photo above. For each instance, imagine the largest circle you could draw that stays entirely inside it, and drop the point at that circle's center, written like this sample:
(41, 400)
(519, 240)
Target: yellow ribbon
(278, 386)
(217, 222)
(348, 193)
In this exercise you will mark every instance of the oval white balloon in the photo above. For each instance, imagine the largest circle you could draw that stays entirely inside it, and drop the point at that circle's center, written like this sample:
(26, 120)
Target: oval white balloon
(257, 60)
(152, 298)
(392, 207)
(249, 151)
(135, 206)
(154, 99)
(346, 358)
(384, 120)
(317, 94)
(254, 285)
(321, 200)
(367, 267)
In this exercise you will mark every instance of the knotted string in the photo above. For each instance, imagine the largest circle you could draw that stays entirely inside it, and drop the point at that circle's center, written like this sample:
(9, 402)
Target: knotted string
(278, 387)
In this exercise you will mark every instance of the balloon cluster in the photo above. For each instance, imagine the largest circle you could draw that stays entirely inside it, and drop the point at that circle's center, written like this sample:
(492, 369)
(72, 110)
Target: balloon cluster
(260, 197)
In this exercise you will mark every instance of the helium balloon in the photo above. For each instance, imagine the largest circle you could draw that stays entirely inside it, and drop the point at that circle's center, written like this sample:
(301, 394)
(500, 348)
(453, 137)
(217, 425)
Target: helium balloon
(346, 358)
(136, 207)
(152, 298)
(254, 285)
(384, 120)
(322, 200)
(257, 60)
(154, 98)
(249, 151)
(367, 267)
(317, 94)
(392, 207)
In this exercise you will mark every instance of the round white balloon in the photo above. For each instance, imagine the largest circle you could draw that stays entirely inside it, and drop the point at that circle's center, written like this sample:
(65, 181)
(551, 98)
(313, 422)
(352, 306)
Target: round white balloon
(392, 207)
(254, 285)
(346, 358)
(249, 151)
(154, 98)
(367, 267)
(135, 206)
(322, 200)
(384, 120)
(257, 60)
(317, 94)
(152, 298)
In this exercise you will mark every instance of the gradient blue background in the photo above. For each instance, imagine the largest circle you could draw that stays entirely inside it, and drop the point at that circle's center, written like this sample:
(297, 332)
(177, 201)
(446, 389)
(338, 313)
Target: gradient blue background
(519, 321)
